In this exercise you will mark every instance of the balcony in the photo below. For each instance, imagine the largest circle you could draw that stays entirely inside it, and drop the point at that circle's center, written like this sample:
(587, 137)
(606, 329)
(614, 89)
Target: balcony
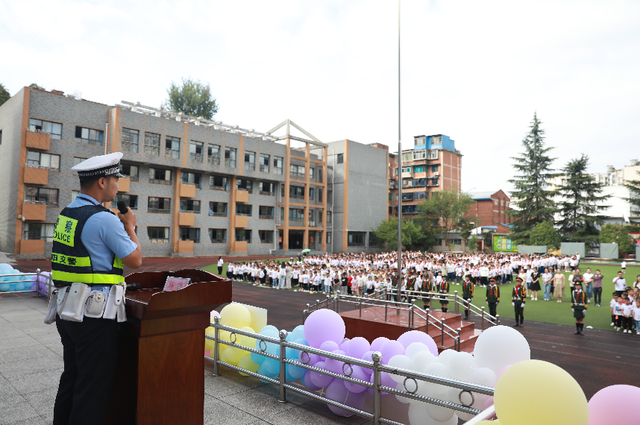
(242, 196)
(187, 190)
(31, 246)
(186, 219)
(185, 247)
(242, 221)
(297, 176)
(39, 176)
(34, 212)
(123, 184)
(38, 140)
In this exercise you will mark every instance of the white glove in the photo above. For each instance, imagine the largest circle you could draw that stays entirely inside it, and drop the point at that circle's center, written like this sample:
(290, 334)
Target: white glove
(572, 310)
(513, 304)
(584, 312)
(522, 306)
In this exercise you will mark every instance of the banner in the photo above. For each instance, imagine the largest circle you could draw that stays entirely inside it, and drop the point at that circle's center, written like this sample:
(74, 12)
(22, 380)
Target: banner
(503, 244)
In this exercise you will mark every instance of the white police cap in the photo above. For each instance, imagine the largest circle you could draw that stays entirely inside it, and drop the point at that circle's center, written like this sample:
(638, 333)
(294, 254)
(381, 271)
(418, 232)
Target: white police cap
(99, 166)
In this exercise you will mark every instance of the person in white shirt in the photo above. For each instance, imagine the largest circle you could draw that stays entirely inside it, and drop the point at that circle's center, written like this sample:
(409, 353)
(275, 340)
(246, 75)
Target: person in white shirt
(588, 284)
(220, 265)
(620, 283)
(636, 317)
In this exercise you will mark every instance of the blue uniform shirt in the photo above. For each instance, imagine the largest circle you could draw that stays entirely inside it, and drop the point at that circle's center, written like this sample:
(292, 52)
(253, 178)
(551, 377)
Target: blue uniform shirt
(103, 235)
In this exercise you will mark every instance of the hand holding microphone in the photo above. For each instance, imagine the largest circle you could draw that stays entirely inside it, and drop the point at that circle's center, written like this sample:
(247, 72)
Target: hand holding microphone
(126, 215)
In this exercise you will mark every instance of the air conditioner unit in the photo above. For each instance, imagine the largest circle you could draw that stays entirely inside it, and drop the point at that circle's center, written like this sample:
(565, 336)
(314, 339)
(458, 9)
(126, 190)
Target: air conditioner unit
(436, 174)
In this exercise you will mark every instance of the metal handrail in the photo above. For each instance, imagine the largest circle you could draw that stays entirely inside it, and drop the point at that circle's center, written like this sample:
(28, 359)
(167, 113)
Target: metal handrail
(38, 275)
(348, 363)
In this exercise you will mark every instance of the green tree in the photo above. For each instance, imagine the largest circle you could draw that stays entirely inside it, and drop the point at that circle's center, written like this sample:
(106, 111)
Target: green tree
(445, 211)
(616, 233)
(4, 94)
(545, 234)
(413, 235)
(472, 244)
(532, 198)
(580, 204)
(192, 98)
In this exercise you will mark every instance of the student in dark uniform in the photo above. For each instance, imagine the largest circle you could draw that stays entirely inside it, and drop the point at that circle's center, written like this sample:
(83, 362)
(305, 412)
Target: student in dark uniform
(518, 298)
(579, 306)
(467, 294)
(443, 288)
(428, 286)
(493, 297)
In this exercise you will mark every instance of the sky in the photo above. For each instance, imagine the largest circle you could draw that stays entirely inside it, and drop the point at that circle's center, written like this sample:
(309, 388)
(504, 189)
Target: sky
(476, 71)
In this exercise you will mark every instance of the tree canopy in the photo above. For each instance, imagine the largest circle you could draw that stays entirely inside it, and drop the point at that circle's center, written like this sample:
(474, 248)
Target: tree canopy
(445, 210)
(192, 98)
(545, 234)
(616, 233)
(532, 197)
(413, 235)
(4, 94)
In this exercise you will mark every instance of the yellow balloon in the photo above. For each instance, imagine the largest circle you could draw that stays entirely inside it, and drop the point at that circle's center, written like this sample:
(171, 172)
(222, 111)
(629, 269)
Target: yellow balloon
(234, 355)
(527, 385)
(246, 363)
(247, 341)
(235, 315)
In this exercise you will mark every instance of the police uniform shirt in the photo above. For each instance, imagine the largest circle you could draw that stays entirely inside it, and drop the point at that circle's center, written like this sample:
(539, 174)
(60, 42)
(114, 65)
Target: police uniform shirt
(103, 235)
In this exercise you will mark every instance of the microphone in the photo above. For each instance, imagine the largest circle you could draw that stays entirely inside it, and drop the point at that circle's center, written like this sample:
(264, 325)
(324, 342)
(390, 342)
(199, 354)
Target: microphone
(122, 207)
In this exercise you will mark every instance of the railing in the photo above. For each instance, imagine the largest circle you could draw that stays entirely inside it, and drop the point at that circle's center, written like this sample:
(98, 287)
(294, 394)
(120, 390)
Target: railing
(409, 388)
(214, 159)
(297, 176)
(36, 278)
(249, 165)
(267, 193)
(197, 157)
(230, 163)
(266, 216)
(217, 213)
(264, 168)
(215, 187)
(161, 181)
(171, 153)
(278, 170)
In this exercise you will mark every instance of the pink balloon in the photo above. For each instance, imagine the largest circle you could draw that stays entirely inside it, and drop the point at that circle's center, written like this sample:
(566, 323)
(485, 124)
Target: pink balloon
(503, 369)
(488, 402)
(410, 337)
(390, 349)
(324, 325)
(377, 343)
(357, 347)
(336, 391)
(609, 405)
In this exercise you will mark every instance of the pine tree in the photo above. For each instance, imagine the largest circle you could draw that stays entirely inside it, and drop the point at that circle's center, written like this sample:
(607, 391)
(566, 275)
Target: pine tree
(532, 199)
(581, 201)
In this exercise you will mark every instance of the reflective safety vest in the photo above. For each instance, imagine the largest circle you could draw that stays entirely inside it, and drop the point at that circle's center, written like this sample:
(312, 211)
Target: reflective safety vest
(70, 260)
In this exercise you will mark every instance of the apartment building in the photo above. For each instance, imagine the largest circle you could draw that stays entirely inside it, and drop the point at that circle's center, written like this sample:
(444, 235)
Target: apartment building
(491, 209)
(198, 187)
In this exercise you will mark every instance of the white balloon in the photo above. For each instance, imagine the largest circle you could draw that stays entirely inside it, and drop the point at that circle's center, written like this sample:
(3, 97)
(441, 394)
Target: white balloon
(414, 348)
(418, 416)
(441, 414)
(484, 376)
(402, 362)
(428, 388)
(500, 346)
(462, 365)
(421, 360)
(400, 387)
(446, 356)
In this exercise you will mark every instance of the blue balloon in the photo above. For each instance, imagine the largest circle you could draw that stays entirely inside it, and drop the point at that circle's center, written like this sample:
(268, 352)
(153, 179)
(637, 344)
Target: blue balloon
(5, 287)
(296, 372)
(271, 367)
(6, 268)
(257, 358)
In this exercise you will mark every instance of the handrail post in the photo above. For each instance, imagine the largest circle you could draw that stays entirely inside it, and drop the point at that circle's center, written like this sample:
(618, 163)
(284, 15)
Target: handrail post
(427, 310)
(497, 319)
(459, 337)
(377, 396)
(455, 301)
(216, 322)
(283, 374)
(386, 308)
(442, 328)
(360, 306)
(38, 284)
(482, 320)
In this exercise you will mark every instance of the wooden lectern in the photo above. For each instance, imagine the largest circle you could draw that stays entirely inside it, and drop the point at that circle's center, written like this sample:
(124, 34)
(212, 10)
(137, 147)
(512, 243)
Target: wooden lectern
(160, 376)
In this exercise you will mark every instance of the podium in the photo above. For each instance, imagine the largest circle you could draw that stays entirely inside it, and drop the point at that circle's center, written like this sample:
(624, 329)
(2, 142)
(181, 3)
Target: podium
(160, 374)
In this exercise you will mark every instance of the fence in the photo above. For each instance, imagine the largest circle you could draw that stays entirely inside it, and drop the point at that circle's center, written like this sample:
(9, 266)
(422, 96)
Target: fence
(36, 278)
(409, 388)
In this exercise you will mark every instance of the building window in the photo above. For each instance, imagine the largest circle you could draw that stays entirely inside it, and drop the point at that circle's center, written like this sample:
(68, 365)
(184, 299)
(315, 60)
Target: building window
(43, 160)
(312, 193)
(38, 231)
(328, 237)
(243, 235)
(130, 171)
(90, 136)
(297, 171)
(230, 155)
(196, 151)
(419, 169)
(434, 182)
(218, 209)
(265, 212)
(340, 159)
(40, 126)
(296, 214)
(190, 234)
(267, 188)
(213, 154)
(151, 144)
(320, 194)
(130, 140)
(311, 173)
(172, 147)
(244, 209)
(218, 235)
(218, 183)
(278, 165)
(249, 160)
(281, 213)
(356, 238)
(41, 195)
(296, 192)
(191, 178)
(158, 234)
(159, 205)
(190, 205)
(159, 175)
(320, 175)
(434, 168)
(455, 242)
(130, 200)
(264, 162)
(375, 241)
(266, 236)
(329, 214)
(244, 184)
(495, 202)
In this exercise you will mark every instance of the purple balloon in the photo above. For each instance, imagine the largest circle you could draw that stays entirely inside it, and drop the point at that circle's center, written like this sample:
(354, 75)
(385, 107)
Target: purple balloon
(410, 337)
(312, 358)
(336, 391)
(385, 380)
(360, 374)
(324, 325)
(335, 366)
(377, 343)
(306, 380)
(390, 349)
(357, 347)
(320, 379)
(605, 405)
(367, 357)
(344, 344)
(329, 346)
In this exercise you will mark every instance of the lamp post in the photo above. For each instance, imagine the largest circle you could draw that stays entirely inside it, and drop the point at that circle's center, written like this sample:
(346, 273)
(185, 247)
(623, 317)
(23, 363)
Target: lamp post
(399, 273)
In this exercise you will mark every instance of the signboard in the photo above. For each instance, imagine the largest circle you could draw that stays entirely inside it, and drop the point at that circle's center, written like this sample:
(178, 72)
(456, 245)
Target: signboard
(503, 244)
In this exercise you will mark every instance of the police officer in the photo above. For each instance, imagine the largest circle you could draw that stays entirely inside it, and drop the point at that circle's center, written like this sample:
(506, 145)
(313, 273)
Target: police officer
(90, 245)
(443, 288)
(518, 298)
(467, 294)
(579, 306)
(493, 297)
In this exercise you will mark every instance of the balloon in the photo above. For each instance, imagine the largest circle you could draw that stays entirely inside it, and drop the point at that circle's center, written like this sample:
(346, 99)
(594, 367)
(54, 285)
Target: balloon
(320, 379)
(357, 347)
(367, 357)
(297, 332)
(462, 365)
(390, 349)
(234, 354)
(609, 405)
(246, 363)
(296, 372)
(377, 343)
(247, 341)
(500, 346)
(414, 348)
(5, 287)
(271, 367)
(422, 359)
(439, 413)
(336, 391)
(357, 373)
(344, 344)
(235, 315)
(324, 325)
(329, 346)
(209, 343)
(308, 383)
(503, 369)
(446, 356)
(308, 358)
(214, 314)
(294, 353)
(410, 337)
(6, 268)
(402, 362)
(429, 388)
(334, 365)
(540, 384)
